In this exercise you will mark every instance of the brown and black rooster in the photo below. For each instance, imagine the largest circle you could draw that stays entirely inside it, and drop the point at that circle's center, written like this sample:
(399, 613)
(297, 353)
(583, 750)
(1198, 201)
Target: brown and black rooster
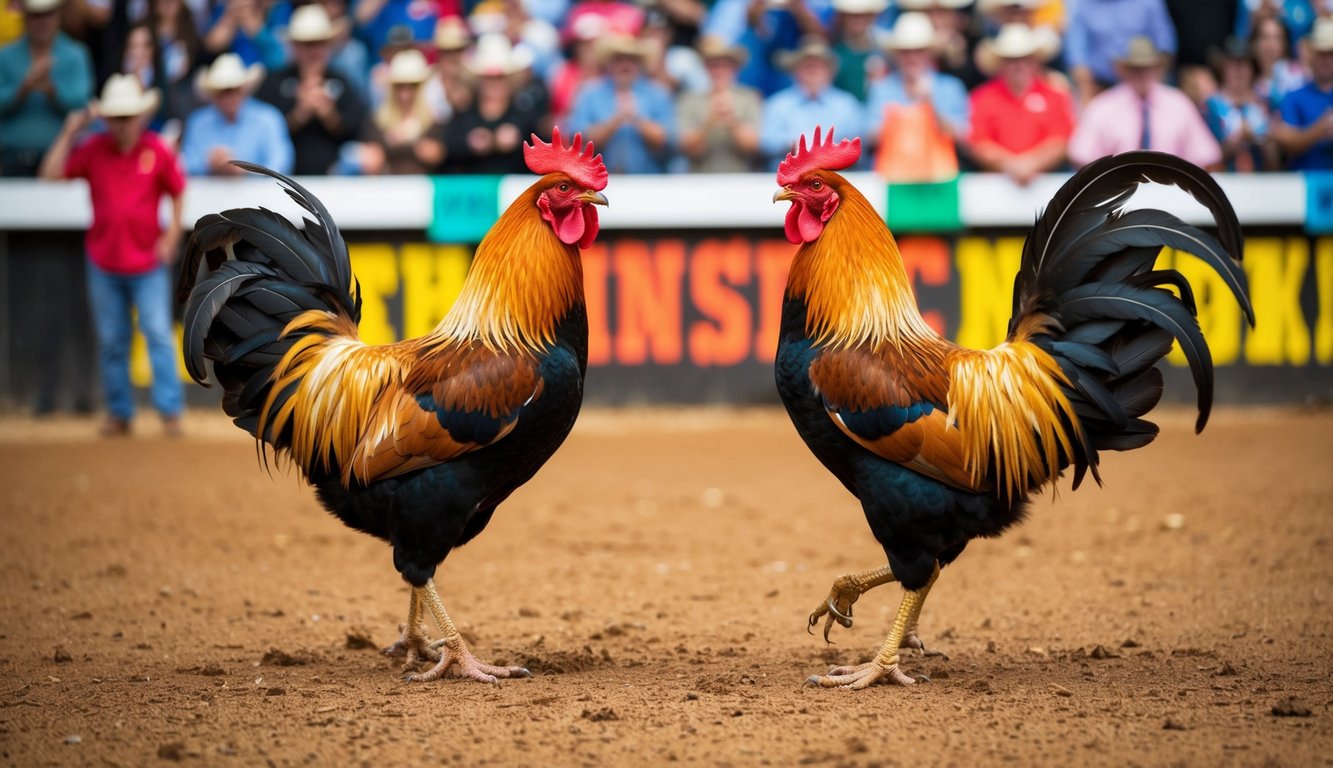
(415, 442)
(942, 444)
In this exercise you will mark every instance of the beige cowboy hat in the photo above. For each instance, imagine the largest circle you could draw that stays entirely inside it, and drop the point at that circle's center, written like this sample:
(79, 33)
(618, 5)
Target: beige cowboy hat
(620, 45)
(860, 6)
(41, 6)
(495, 55)
(311, 24)
(1320, 38)
(451, 34)
(409, 66)
(913, 31)
(811, 47)
(714, 47)
(1141, 54)
(228, 71)
(1017, 41)
(925, 5)
(124, 96)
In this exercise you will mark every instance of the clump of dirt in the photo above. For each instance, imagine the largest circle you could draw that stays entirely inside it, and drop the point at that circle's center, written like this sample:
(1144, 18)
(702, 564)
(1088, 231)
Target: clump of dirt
(276, 657)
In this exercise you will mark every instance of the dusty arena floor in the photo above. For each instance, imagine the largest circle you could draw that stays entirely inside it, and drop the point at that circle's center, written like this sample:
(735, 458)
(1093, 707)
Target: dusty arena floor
(170, 601)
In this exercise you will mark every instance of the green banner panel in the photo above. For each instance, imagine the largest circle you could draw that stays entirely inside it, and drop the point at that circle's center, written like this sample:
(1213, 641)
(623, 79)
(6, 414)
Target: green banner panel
(927, 207)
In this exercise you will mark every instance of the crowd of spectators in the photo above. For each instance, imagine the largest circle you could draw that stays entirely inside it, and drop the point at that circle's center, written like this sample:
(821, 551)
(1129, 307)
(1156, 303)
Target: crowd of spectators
(1020, 87)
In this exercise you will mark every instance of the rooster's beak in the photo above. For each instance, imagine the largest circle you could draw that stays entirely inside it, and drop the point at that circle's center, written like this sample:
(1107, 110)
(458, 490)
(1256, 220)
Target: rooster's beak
(596, 198)
(783, 194)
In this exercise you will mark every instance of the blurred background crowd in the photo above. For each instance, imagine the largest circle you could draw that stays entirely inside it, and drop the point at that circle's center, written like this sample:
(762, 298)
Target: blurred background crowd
(1019, 87)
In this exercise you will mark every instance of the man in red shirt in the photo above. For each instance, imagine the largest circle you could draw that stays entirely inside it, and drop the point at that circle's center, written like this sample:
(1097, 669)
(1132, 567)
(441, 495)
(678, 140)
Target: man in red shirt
(1020, 123)
(128, 170)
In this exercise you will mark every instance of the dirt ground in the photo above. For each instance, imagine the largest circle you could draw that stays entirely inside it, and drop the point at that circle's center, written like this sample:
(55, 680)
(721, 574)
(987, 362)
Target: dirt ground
(170, 601)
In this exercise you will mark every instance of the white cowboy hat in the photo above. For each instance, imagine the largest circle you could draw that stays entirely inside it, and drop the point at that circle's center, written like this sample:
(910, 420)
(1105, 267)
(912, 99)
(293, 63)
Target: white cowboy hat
(124, 96)
(860, 6)
(913, 31)
(451, 34)
(227, 72)
(311, 24)
(41, 6)
(409, 66)
(925, 5)
(1320, 38)
(1140, 53)
(1017, 41)
(495, 55)
(714, 47)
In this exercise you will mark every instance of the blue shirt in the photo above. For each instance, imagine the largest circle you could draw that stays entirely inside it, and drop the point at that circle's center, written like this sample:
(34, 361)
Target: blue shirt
(34, 122)
(1099, 32)
(1301, 109)
(1226, 119)
(259, 135)
(948, 97)
(777, 31)
(791, 113)
(625, 151)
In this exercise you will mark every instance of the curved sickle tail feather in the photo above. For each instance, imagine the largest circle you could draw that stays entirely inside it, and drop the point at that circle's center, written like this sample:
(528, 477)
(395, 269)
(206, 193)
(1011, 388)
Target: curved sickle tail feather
(260, 272)
(1088, 294)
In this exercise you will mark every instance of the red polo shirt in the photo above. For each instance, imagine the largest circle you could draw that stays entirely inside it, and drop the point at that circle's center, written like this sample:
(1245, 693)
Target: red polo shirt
(126, 190)
(1020, 122)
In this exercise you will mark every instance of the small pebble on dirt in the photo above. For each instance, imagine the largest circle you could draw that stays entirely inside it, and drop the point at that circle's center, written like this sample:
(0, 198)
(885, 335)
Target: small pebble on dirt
(74, 739)
(1100, 652)
(1173, 522)
(1060, 690)
(275, 691)
(62, 656)
(600, 715)
(172, 751)
(1291, 707)
(1174, 725)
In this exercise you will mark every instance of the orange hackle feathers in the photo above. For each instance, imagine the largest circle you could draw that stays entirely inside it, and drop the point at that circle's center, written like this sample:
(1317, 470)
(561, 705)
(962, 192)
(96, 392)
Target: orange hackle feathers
(825, 156)
(584, 167)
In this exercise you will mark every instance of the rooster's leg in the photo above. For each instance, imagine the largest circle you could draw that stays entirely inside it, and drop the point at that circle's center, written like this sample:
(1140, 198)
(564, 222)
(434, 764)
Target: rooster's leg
(453, 651)
(885, 664)
(413, 644)
(846, 590)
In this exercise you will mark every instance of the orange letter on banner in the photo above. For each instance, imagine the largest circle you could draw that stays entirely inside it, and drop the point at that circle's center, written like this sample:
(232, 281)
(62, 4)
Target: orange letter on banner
(772, 263)
(594, 291)
(926, 260)
(716, 267)
(648, 296)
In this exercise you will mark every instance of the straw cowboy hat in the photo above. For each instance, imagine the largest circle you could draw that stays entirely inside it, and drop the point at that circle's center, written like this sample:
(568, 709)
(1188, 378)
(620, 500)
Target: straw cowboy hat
(811, 47)
(913, 31)
(860, 6)
(311, 24)
(495, 55)
(1017, 41)
(991, 6)
(409, 66)
(1141, 54)
(41, 6)
(227, 72)
(451, 34)
(1320, 38)
(124, 96)
(620, 45)
(714, 47)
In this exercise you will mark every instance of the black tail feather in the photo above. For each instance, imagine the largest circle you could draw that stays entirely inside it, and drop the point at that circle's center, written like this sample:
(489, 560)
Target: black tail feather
(1091, 268)
(259, 271)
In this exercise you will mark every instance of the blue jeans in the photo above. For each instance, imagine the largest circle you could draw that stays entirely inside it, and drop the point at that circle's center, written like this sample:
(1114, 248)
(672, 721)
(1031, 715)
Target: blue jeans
(112, 296)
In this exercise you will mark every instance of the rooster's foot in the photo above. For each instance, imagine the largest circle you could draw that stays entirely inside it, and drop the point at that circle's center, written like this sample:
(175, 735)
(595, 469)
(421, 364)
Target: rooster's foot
(912, 642)
(453, 652)
(412, 646)
(864, 675)
(846, 590)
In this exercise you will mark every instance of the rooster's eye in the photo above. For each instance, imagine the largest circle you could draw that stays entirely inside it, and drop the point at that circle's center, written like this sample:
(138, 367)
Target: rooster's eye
(816, 185)
(564, 186)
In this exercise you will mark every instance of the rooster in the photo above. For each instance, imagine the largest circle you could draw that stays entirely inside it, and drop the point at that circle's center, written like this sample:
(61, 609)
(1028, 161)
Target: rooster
(942, 444)
(415, 442)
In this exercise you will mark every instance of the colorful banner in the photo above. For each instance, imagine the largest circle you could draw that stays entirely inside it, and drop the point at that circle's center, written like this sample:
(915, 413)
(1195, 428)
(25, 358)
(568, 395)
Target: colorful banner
(465, 208)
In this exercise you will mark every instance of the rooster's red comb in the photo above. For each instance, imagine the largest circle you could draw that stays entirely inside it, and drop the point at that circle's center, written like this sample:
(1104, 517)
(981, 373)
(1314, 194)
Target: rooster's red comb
(819, 157)
(583, 167)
